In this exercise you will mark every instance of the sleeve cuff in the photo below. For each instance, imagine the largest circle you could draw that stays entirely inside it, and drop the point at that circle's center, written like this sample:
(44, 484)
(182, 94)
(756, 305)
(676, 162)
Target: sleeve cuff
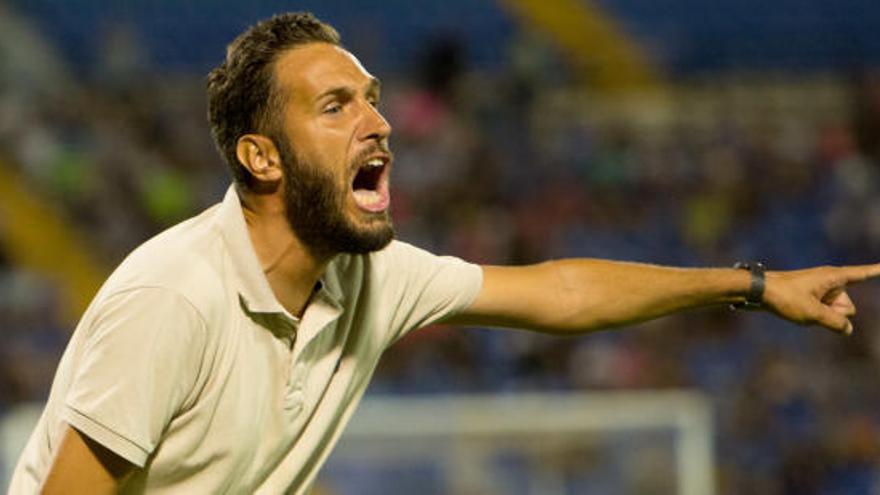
(116, 443)
(475, 272)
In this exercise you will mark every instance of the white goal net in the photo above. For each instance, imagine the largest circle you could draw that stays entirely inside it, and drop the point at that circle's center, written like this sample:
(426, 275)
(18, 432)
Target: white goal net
(544, 444)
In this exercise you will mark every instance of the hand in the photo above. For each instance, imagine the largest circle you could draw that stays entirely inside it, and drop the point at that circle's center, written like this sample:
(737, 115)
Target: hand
(816, 295)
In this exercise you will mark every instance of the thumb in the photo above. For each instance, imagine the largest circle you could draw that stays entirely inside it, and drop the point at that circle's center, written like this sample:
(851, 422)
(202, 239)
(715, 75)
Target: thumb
(833, 320)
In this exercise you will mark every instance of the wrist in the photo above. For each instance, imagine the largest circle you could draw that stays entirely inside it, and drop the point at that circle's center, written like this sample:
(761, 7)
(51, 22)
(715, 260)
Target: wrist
(753, 298)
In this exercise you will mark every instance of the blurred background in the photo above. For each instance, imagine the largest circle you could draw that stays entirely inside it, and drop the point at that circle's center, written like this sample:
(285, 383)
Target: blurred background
(689, 133)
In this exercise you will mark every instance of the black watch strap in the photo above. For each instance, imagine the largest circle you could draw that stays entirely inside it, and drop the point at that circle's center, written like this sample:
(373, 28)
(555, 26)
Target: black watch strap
(755, 297)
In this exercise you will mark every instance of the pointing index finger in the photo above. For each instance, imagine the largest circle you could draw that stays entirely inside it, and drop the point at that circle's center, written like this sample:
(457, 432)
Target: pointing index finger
(859, 273)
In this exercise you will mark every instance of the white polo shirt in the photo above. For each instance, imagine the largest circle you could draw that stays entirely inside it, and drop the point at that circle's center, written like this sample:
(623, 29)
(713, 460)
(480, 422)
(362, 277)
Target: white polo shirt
(186, 365)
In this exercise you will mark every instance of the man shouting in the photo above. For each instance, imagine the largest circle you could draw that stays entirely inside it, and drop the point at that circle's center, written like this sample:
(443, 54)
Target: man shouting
(226, 354)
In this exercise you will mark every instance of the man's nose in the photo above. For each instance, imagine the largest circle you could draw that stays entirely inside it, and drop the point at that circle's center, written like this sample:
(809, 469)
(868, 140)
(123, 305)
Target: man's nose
(374, 124)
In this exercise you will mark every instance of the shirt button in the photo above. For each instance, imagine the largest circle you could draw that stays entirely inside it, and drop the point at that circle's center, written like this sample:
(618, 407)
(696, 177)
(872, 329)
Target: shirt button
(293, 401)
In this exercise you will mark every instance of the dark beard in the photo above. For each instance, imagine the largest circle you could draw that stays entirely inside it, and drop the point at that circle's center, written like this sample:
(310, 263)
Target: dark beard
(316, 211)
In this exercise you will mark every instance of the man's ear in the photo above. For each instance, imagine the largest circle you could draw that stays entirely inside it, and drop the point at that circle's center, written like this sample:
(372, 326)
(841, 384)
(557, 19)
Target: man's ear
(258, 154)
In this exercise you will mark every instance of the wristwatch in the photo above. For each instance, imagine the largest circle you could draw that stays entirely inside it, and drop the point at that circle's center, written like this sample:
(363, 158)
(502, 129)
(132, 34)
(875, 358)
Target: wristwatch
(755, 297)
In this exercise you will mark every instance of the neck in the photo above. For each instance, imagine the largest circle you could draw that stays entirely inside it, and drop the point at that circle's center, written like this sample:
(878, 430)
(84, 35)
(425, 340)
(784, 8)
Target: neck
(290, 267)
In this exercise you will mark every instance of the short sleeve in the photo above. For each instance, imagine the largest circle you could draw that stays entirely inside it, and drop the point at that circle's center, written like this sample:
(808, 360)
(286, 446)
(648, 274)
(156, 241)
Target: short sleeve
(139, 364)
(422, 288)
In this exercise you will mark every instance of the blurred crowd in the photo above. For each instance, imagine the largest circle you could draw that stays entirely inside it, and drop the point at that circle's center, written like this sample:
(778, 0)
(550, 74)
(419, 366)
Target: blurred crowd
(517, 165)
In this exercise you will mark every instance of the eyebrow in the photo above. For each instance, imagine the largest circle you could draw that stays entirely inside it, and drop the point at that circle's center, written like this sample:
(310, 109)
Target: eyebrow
(374, 86)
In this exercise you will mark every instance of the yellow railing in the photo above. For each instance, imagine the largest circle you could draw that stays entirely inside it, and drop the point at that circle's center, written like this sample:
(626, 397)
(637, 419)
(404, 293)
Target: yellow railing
(604, 56)
(38, 238)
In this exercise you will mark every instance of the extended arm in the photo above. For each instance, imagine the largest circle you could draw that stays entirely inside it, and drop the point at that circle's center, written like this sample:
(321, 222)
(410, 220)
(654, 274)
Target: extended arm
(581, 295)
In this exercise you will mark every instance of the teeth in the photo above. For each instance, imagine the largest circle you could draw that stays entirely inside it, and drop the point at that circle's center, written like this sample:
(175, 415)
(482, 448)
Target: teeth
(367, 198)
(376, 162)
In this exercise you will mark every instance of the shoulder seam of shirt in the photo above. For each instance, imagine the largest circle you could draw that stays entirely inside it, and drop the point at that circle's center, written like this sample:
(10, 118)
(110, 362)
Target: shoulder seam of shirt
(175, 292)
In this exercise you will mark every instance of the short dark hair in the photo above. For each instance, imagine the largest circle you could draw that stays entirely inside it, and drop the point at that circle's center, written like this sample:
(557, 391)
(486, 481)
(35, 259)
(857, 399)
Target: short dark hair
(242, 96)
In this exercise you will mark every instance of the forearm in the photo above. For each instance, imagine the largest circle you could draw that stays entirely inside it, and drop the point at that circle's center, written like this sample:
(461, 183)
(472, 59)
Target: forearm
(580, 295)
(593, 294)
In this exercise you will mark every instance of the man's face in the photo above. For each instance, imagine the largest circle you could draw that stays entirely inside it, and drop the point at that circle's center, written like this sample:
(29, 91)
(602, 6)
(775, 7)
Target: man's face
(334, 150)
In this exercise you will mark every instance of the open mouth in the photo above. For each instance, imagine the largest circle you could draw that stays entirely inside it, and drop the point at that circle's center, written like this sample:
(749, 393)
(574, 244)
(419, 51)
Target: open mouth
(370, 185)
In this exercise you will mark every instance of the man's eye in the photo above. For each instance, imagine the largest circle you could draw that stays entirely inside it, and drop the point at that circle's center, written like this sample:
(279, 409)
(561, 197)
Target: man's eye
(374, 102)
(334, 108)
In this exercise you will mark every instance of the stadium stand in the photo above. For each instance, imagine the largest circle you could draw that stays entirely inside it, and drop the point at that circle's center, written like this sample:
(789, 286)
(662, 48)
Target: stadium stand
(763, 144)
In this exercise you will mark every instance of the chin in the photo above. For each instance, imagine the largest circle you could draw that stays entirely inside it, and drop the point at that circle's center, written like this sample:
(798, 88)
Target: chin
(375, 240)
(361, 235)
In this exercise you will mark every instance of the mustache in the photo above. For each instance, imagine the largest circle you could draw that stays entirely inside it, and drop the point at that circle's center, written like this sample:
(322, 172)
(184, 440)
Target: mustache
(370, 151)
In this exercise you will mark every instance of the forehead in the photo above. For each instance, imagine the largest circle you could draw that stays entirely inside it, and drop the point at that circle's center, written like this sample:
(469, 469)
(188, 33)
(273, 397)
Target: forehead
(308, 70)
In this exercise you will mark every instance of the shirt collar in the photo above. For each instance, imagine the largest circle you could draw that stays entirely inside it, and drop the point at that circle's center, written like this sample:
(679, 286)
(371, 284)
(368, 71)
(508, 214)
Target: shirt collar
(255, 294)
(253, 286)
